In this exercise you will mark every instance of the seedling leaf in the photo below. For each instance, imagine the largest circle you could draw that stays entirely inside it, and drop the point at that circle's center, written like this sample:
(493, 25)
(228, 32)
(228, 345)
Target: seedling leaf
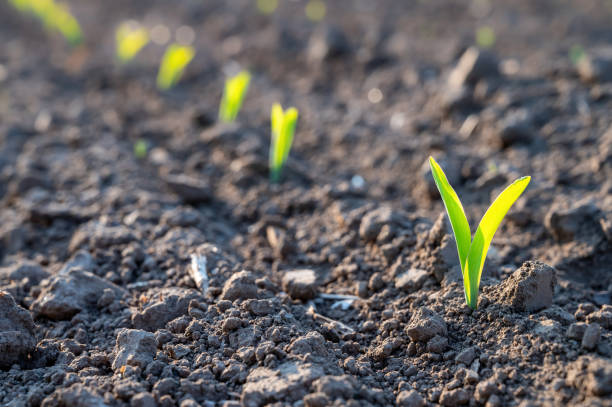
(130, 39)
(472, 253)
(233, 95)
(454, 210)
(173, 63)
(283, 128)
(54, 16)
(484, 235)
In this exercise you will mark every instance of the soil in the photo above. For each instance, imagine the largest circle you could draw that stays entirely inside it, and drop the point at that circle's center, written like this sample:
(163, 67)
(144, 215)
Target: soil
(185, 278)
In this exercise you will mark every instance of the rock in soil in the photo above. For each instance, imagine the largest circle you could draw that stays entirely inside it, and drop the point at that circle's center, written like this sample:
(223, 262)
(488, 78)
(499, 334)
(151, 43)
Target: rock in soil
(300, 284)
(135, 348)
(65, 295)
(17, 332)
(425, 324)
(530, 288)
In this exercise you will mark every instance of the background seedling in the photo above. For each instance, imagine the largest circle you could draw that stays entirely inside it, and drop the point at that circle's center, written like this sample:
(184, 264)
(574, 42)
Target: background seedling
(472, 253)
(54, 16)
(140, 149)
(130, 39)
(173, 63)
(283, 127)
(235, 90)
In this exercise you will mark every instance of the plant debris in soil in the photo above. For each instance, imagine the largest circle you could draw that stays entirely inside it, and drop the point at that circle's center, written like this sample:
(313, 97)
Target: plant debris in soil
(182, 277)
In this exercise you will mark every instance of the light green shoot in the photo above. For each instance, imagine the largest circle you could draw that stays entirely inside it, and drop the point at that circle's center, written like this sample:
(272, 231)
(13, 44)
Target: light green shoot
(173, 63)
(472, 253)
(235, 90)
(130, 38)
(283, 127)
(140, 149)
(54, 16)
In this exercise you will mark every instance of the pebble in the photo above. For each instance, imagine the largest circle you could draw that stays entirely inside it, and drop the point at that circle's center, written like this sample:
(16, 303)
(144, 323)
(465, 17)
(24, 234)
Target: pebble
(466, 356)
(454, 397)
(17, 332)
(596, 65)
(134, 347)
(64, 296)
(425, 324)
(300, 284)
(531, 287)
(591, 336)
(239, 286)
(410, 398)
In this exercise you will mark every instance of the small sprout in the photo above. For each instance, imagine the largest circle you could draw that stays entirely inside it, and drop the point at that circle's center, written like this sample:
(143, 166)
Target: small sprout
(576, 53)
(472, 253)
(54, 16)
(173, 63)
(315, 10)
(485, 37)
(283, 127)
(130, 39)
(140, 149)
(267, 6)
(235, 90)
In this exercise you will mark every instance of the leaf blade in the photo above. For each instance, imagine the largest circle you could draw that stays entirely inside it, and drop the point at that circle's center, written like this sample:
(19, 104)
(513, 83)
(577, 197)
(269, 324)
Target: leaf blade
(484, 235)
(454, 211)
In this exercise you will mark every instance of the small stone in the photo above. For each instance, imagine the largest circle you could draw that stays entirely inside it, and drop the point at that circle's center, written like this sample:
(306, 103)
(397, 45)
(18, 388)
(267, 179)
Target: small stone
(191, 190)
(64, 296)
(300, 284)
(373, 221)
(326, 43)
(576, 330)
(437, 344)
(471, 377)
(231, 324)
(484, 390)
(474, 64)
(454, 397)
(317, 399)
(596, 65)
(591, 336)
(239, 286)
(425, 324)
(134, 348)
(530, 288)
(17, 332)
(410, 398)
(566, 222)
(335, 386)
(516, 127)
(466, 356)
(411, 280)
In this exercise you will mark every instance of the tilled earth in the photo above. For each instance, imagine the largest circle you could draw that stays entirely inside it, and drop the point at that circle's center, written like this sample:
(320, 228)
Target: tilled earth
(185, 278)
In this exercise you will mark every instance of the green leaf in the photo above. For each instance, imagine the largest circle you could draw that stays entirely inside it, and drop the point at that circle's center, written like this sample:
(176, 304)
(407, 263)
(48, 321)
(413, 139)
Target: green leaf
(484, 234)
(130, 39)
(472, 253)
(173, 63)
(283, 128)
(454, 210)
(233, 96)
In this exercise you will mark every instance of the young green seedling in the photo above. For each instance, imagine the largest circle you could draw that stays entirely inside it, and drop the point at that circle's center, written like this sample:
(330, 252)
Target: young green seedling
(235, 90)
(54, 16)
(473, 252)
(130, 38)
(283, 128)
(173, 63)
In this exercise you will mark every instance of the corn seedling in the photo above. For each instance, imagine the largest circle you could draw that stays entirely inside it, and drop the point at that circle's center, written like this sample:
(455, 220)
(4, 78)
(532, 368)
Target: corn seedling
(235, 90)
(473, 252)
(267, 6)
(54, 16)
(130, 38)
(140, 149)
(283, 127)
(173, 63)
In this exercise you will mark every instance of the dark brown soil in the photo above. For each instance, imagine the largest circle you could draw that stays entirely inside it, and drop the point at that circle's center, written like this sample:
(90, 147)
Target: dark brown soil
(186, 279)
